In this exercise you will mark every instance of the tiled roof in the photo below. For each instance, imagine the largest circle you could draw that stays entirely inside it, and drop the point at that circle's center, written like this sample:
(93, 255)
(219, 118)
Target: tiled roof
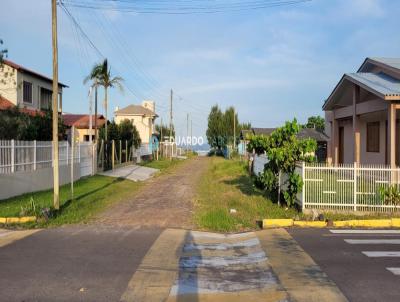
(82, 121)
(135, 110)
(6, 104)
(24, 69)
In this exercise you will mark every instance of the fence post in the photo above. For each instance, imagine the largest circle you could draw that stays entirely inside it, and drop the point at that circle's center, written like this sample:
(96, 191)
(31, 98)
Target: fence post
(355, 186)
(112, 154)
(68, 150)
(120, 151)
(303, 192)
(126, 150)
(12, 156)
(79, 151)
(34, 155)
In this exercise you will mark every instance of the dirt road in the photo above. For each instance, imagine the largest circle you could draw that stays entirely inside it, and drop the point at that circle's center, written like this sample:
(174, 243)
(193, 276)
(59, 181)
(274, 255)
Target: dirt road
(164, 202)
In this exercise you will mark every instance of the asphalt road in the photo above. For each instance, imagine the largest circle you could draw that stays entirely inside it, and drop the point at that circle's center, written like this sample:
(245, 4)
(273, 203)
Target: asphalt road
(74, 263)
(358, 275)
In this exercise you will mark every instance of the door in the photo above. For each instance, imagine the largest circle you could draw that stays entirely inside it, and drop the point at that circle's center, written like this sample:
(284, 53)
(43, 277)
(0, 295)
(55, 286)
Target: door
(341, 144)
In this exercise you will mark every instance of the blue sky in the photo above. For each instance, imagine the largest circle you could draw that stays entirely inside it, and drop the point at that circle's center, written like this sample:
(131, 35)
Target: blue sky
(272, 64)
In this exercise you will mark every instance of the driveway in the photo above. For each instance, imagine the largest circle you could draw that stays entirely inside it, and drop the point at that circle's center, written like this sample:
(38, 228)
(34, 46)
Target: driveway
(131, 172)
(165, 201)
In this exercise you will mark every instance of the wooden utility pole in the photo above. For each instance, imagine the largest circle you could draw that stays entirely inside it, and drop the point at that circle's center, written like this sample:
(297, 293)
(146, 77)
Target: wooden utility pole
(191, 134)
(170, 118)
(72, 160)
(56, 189)
(187, 133)
(234, 129)
(95, 113)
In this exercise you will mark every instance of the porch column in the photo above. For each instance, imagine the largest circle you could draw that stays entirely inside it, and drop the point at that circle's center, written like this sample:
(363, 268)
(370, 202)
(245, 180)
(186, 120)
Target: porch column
(335, 141)
(392, 135)
(356, 124)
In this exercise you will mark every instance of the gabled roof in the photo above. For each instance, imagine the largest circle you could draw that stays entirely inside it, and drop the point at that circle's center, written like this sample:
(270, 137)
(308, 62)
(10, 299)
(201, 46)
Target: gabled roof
(6, 104)
(82, 121)
(312, 133)
(263, 131)
(380, 84)
(383, 62)
(26, 70)
(135, 110)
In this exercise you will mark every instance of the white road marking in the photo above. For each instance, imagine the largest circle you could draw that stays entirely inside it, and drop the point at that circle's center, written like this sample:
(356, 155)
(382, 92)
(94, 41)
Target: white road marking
(394, 270)
(365, 231)
(381, 254)
(372, 241)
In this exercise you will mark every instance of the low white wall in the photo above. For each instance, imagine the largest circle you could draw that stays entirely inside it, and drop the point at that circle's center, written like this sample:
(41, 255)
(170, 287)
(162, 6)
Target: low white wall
(18, 183)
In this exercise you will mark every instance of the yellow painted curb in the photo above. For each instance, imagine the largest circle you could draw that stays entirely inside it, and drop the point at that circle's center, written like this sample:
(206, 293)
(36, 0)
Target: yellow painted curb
(6, 220)
(313, 224)
(270, 223)
(370, 223)
(396, 222)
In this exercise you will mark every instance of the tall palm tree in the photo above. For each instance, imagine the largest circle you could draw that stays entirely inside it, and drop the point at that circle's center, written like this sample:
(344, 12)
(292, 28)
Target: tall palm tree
(101, 76)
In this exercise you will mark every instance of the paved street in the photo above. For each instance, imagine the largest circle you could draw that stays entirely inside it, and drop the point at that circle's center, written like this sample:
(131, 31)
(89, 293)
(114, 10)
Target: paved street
(365, 264)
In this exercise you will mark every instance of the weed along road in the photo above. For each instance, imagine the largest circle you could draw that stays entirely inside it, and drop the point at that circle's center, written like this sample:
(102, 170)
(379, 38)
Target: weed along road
(152, 246)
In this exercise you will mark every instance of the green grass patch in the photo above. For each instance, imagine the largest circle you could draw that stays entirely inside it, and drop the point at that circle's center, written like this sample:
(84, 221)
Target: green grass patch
(226, 185)
(163, 164)
(91, 195)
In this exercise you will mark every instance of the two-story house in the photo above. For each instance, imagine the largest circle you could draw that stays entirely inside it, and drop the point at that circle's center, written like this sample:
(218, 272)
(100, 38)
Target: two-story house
(27, 89)
(142, 117)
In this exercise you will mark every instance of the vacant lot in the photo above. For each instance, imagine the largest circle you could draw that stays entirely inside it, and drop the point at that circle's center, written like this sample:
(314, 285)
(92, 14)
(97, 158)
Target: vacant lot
(226, 185)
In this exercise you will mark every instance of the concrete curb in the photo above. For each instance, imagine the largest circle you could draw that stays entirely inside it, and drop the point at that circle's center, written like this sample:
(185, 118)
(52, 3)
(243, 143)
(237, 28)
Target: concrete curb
(10, 220)
(365, 223)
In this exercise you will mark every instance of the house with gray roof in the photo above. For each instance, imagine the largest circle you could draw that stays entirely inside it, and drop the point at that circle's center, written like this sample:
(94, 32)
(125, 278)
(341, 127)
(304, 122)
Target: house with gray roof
(361, 115)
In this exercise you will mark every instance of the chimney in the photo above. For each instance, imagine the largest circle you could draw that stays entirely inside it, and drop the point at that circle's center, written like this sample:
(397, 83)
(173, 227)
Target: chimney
(149, 105)
(116, 108)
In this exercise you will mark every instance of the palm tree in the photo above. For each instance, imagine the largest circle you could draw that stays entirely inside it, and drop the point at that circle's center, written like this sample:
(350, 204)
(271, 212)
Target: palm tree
(101, 76)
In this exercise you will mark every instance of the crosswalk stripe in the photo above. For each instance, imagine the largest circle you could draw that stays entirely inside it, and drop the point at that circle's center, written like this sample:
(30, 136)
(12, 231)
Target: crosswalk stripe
(365, 231)
(381, 253)
(394, 270)
(372, 241)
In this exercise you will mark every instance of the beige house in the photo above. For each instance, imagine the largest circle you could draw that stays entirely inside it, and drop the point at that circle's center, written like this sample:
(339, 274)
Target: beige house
(361, 115)
(20, 86)
(81, 122)
(142, 117)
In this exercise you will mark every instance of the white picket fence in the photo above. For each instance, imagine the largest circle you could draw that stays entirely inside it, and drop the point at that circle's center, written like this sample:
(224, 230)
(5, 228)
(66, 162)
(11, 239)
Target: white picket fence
(19, 156)
(347, 187)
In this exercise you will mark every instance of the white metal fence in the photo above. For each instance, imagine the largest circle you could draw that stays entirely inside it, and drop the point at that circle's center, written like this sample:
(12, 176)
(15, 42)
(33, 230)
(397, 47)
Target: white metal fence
(348, 187)
(19, 156)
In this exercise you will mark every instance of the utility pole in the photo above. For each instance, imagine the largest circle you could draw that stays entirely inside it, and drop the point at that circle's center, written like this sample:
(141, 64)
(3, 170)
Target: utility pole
(191, 134)
(170, 118)
(56, 189)
(95, 112)
(161, 128)
(187, 133)
(234, 129)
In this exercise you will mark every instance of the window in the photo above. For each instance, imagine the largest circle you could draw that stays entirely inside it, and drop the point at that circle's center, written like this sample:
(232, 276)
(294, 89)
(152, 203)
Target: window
(27, 92)
(45, 98)
(373, 137)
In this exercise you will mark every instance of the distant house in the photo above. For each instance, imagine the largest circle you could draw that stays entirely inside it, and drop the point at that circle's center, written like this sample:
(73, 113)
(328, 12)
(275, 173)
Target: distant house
(142, 117)
(305, 133)
(81, 122)
(27, 89)
(361, 115)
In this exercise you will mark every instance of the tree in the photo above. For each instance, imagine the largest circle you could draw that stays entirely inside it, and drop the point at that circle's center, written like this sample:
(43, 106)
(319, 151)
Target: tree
(316, 122)
(128, 132)
(283, 150)
(164, 131)
(216, 129)
(3, 52)
(101, 75)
